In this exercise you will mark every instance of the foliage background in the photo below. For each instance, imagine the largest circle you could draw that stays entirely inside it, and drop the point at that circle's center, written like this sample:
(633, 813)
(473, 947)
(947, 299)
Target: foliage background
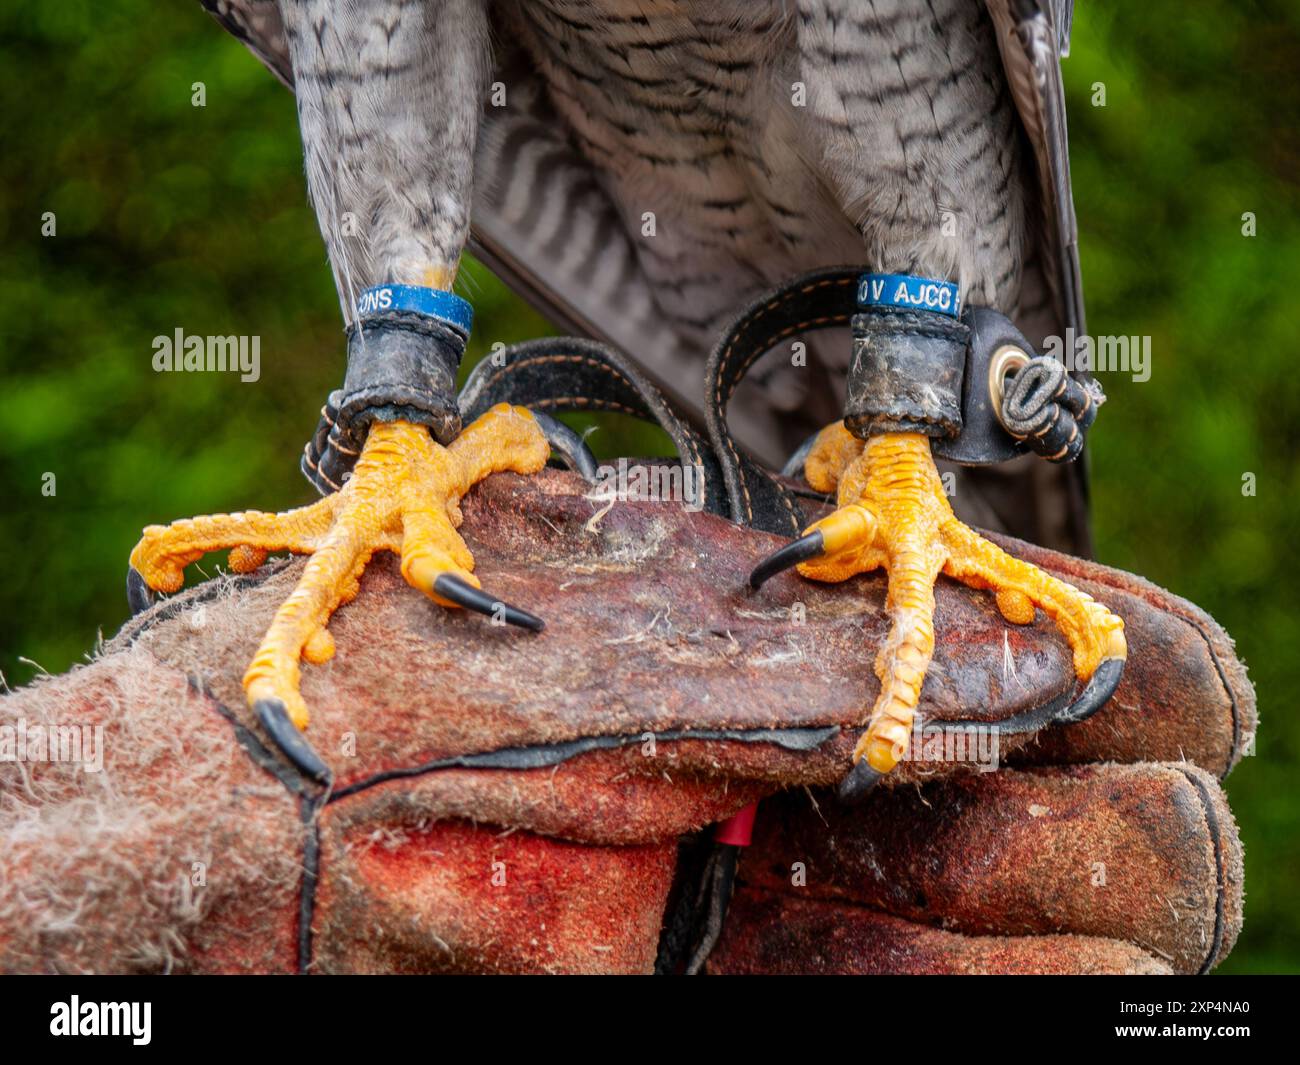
(173, 215)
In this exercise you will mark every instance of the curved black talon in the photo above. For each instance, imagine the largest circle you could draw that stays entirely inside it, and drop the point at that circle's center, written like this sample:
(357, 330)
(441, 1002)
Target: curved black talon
(858, 782)
(807, 547)
(139, 596)
(571, 447)
(1100, 687)
(795, 463)
(452, 587)
(289, 738)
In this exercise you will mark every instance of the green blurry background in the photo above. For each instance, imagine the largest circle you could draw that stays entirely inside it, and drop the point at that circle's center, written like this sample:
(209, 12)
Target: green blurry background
(170, 215)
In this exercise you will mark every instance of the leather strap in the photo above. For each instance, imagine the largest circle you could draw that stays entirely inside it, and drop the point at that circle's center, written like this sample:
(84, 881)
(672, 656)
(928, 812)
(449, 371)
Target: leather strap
(893, 350)
(1049, 410)
(556, 374)
(573, 374)
(818, 300)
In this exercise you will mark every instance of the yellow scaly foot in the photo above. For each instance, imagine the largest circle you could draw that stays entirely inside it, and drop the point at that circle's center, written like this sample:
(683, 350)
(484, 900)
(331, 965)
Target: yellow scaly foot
(403, 496)
(893, 512)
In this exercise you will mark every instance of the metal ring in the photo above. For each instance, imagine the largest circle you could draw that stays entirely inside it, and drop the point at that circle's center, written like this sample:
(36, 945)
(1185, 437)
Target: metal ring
(1005, 359)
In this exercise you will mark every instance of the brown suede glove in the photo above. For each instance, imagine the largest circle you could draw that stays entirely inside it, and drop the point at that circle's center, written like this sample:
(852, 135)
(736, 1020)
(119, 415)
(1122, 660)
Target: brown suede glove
(509, 802)
(1103, 847)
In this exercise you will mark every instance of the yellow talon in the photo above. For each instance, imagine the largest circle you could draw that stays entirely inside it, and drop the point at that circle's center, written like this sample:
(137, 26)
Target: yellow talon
(403, 496)
(893, 513)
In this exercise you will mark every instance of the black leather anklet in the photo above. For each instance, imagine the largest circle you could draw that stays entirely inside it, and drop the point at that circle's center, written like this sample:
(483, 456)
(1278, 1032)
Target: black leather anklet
(906, 373)
(401, 367)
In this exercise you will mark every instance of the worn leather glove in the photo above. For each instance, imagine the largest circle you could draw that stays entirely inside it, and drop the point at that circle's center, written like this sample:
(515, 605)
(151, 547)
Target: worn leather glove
(1102, 847)
(510, 802)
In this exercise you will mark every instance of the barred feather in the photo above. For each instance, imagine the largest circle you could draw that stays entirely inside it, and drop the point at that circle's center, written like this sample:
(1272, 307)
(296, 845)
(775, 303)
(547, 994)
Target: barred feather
(756, 138)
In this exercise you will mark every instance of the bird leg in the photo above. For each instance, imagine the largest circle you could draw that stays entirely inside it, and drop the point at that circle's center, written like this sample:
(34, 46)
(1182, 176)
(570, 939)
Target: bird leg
(893, 513)
(403, 496)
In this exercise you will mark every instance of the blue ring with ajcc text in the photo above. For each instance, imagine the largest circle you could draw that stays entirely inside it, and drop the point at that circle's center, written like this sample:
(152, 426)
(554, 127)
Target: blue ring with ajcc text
(909, 293)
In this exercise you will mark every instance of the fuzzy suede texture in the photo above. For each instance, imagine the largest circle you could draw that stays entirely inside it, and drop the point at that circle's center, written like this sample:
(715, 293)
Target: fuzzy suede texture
(772, 933)
(660, 669)
(1144, 853)
(451, 897)
(651, 630)
(181, 854)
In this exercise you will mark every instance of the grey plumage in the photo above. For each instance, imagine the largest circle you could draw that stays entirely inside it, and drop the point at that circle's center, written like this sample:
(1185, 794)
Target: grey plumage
(765, 137)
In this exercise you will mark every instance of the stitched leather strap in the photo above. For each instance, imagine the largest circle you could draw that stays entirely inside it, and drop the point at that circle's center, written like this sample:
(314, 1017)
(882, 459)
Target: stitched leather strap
(962, 421)
(572, 374)
(818, 300)
(568, 373)
(402, 366)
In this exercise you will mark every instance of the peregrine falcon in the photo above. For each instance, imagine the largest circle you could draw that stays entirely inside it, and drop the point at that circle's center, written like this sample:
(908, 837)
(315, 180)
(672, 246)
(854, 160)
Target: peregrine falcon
(640, 170)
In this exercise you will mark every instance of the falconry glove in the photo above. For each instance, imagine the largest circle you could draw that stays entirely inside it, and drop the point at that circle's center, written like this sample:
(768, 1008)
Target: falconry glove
(494, 807)
(549, 808)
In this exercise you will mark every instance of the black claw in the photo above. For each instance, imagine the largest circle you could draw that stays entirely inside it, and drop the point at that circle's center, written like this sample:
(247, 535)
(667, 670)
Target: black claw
(1100, 687)
(139, 596)
(289, 738)
(795, 463)
(577, 455)
(796, 551)
(858, 782)
(458, 591)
